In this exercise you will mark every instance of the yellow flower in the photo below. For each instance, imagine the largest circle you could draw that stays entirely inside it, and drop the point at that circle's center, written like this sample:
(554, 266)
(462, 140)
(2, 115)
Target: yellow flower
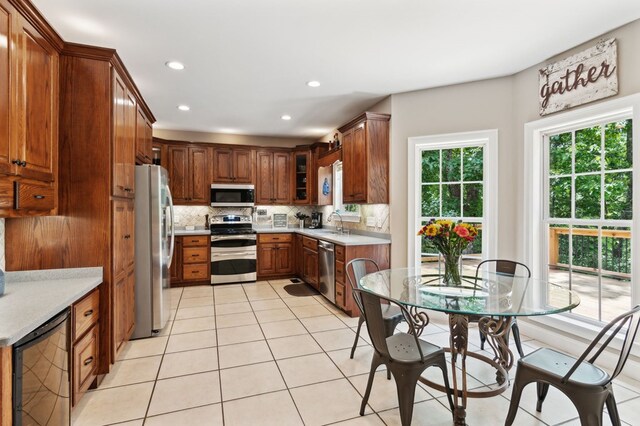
(432, 230)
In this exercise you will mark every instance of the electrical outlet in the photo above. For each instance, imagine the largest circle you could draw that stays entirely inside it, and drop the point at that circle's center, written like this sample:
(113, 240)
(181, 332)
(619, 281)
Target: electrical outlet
(379, 223)
(371, 221)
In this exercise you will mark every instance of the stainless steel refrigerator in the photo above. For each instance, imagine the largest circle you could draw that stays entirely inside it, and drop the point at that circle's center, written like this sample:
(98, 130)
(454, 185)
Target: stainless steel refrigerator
(155, 242)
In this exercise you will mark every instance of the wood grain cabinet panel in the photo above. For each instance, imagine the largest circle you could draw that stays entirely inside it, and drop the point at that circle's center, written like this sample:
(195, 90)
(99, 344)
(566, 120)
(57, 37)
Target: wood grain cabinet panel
(7, 80)
(178, 173)
(310, 267)
(264, 178)
(232, 165)
(143, 137)
(123, 139)
(243, 160)
(222, 165)
(85, 313)
(301, 180)
(266, 259)
(189, 174)
(199, 184)
(191, 262)
(175, 270)
(275, 256)
(85, 362)
(273, 177)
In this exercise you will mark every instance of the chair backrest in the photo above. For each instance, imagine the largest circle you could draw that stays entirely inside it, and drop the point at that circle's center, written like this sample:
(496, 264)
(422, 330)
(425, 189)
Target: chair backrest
(506, 267)
(355, 270)
(629, 320)
(372, 312)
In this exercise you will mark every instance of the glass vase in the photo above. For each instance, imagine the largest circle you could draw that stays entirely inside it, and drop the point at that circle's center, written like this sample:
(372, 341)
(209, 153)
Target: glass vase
(452, 271)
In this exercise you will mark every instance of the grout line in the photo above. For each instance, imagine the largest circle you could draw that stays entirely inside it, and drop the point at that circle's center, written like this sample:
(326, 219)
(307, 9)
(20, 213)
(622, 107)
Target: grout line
(215, 324)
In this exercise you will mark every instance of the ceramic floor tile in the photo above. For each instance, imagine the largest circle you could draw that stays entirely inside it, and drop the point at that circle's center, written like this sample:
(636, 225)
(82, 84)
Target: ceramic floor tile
(305, 370)
(264, 377)
(349, 321)
(245, 333)
(272, 409)
(493, 411)
(337, 339)
(360, 364)
(189, 362)
(195, 312)
(263, 305)
(197, 291)
(144, 347)
(301, 301)
(230, 298)
(235, 320)
(277, 329)
(210, 415)
(261, 293)
(233, 308)
(114, 405)
(339, 395)
(323, 323)
(370, 420)
(196, 301)
(132, 371)
(428, 413)
(384, 393)
(244, 353)
(190, 341)
(183, 392)
(193, 324)
(287, 347)
(310, 311)
(272, 315)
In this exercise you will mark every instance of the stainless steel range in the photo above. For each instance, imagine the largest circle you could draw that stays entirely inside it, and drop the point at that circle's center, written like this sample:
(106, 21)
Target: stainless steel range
(233, 249)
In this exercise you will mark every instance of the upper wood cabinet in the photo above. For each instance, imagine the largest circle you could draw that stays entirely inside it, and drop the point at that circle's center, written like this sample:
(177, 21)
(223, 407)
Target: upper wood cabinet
(302, 178)
(143, 138)
(365, 159)
(189, 174)
(124, 139)
(232, 165)
(273, 177)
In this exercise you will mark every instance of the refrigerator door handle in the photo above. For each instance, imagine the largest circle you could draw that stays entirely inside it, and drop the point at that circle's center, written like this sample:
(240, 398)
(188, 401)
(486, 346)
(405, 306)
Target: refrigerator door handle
(173, 234)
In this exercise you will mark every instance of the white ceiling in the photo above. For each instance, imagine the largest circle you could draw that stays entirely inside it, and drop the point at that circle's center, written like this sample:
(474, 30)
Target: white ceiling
(247, 61)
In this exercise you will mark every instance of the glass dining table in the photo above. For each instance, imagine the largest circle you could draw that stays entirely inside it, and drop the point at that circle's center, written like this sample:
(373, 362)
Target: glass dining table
(493, 300)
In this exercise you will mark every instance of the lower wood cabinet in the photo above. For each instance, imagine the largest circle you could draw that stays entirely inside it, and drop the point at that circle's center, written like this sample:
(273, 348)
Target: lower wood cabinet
(124, 310)
(191, 260)
(310, 261)
(275, 255)
(85, 331)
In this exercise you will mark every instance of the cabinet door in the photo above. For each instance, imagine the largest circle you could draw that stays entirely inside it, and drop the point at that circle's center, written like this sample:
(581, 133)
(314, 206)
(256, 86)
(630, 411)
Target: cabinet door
(198, 176)
(130, 144)
(148, 141)
(129, 236)
(242, 166)
(281, 177)
(120, 320)
(130, 304)
(264, 178)
(301, 177)
(310, 267)
(175, 270)
(284, 259)
(8, 80)
(119, 137)
(37, 104)
(359, 165)
(222, 165)
(299, 254)
(266, 259)
(119, 231)
(347, 166)
(143, 148)
(178, 173)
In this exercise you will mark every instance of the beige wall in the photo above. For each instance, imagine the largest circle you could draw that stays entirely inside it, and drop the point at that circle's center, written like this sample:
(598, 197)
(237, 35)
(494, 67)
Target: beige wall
(505, 104)
(267, 141)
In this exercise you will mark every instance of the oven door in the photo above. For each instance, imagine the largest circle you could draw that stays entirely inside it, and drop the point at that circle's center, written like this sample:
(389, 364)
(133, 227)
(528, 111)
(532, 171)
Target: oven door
(232, 195)
(232, 243)
(233, 266)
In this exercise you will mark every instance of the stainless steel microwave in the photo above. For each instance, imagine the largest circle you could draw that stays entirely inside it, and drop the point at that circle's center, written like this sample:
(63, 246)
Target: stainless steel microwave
(232, 195)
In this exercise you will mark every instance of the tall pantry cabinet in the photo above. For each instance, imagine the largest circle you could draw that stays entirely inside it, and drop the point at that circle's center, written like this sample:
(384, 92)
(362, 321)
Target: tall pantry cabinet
(99, 109)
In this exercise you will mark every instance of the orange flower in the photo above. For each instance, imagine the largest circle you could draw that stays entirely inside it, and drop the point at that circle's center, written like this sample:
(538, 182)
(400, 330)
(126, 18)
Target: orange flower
(461, 231)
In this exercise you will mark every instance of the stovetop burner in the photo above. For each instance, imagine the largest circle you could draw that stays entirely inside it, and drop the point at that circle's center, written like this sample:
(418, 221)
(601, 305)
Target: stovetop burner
(231, 224)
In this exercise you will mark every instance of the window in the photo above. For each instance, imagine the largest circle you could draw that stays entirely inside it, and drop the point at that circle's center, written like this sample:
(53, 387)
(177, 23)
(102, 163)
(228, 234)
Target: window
(349, 212)
(589, 212)
(449, 179)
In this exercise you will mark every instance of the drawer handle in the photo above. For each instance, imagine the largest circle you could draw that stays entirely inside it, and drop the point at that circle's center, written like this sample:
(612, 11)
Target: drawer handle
(88, 361)
(195, 272)
(88, 313)
(195, 241)
(195, 255)
(126, 237)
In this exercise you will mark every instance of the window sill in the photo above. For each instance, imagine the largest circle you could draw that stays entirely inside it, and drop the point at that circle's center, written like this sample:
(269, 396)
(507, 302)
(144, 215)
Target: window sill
(351, 218)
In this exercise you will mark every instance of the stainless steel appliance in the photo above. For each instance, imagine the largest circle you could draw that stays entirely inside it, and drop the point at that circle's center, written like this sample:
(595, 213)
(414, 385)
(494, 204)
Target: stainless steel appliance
(316, 220)
(326, 264)
(41, 380)
(232, 195)
(233, 249)
(155, 241)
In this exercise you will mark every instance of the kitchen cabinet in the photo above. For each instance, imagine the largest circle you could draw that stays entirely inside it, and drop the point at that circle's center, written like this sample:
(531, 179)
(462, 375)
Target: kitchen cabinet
(124, 317)
(191, 260)
(123, 271)
(232, 165)
(189, 174)
(275, 255)
(144, 136)
(299, 253)
(124, 139)
(310, 262)
(85, 315)
(302, 177)
(273, 177)
(365, 159)
(175, 270)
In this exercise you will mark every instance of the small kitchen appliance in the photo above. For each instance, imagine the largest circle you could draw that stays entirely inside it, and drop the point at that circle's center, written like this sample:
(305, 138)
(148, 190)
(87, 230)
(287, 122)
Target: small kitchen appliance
(316, 220)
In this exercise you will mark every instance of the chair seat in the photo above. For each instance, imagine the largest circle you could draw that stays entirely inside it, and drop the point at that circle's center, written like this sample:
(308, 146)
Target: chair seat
(558, 364)
(402, 347)
(390, 312)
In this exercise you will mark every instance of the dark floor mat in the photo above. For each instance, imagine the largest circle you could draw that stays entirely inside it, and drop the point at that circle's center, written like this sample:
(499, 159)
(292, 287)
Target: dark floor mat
(300, 290)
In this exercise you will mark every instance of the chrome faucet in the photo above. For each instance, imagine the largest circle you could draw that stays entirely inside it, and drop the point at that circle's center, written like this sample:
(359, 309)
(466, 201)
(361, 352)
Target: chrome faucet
(341, 228)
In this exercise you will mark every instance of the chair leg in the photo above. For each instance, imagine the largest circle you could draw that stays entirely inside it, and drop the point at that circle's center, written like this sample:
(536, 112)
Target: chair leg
(483, 339)
(516, 393)
(542, 389)
(516, 337)
(589, 408)
(355, 342)
(406, 382)
(612, 407)
(443, 366)
(375, 363)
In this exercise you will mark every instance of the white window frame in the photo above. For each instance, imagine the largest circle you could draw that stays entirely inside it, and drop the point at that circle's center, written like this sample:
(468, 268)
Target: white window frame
(338, 204)
(533, 248)
(488, 139)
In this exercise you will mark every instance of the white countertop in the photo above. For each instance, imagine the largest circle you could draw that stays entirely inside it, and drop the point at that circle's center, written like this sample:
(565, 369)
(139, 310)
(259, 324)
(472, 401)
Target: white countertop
(180, 231)
(329, 235)
(31, 298)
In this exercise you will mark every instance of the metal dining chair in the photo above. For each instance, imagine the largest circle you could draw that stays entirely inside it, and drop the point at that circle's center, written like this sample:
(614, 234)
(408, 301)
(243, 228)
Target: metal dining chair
(356, 269)
(588, 386)
(509, 268)
(404, 354)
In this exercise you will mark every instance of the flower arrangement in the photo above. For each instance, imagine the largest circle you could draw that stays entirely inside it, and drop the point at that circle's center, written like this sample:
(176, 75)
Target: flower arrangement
(450, 238)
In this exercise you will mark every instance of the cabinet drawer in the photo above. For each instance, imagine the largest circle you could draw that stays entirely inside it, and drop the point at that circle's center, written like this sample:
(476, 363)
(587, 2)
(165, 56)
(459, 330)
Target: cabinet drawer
(275, 238)
(34, 196)
(195, 254)
(340, 276)
(85, 363)
(339, 253)
(86, 313)
(310, 243)
(196, 241)
(195, 272)
(340, 289)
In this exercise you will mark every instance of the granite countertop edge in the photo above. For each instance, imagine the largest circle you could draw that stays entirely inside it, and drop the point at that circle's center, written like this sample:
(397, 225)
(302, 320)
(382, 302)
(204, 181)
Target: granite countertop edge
(33, 297)
(346, 240)
(184, 232)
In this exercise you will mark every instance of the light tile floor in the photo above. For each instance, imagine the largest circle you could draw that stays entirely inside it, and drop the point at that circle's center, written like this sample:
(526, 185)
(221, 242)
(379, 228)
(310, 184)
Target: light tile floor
(253, 355)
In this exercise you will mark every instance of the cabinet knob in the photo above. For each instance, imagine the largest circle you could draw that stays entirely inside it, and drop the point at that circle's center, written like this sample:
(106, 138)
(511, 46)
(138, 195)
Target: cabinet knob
(88, 360)
(23, 164)
(88, 313)
(16, 162)
(39, 197)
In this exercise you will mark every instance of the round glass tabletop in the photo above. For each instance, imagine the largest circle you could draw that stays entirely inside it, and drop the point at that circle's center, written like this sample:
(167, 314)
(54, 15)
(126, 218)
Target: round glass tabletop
(491, 294)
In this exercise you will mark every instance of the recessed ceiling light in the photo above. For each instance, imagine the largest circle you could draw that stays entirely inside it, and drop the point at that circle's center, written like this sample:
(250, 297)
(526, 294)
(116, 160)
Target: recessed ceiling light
(174, 65)
(313, 83)
(286, 117)
(183, 107)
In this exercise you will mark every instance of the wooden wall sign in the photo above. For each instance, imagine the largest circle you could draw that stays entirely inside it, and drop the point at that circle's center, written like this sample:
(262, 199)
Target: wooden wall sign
(582, 78)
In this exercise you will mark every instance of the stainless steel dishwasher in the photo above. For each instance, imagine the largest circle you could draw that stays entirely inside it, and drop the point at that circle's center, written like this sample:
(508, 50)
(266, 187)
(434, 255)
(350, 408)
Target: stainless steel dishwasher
(327, 266)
